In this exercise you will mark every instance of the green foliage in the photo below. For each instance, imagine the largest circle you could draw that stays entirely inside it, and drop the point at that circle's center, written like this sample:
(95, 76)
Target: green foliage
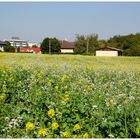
(86, 44)
(54, 45)
(129, 43)
(92, 41)
(8, 47)
(101, 96)
(80, 44)
(102, 43)
(45, 46)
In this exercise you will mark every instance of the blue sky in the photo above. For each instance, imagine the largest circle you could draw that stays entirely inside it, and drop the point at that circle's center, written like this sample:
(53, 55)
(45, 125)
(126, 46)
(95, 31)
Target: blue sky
(35, 21)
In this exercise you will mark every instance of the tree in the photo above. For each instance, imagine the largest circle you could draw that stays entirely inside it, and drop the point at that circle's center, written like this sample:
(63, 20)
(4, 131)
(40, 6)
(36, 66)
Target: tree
(8, 47)
(102, 44)
(129, 43)
(80, 44)
(53, 43)
(45, 46)
(92, 43)
(86, 44)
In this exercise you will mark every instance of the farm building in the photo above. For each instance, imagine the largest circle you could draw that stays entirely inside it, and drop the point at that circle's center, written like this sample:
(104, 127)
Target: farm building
(67, 47)
(109, 51)
(2, 44)
(30, 50)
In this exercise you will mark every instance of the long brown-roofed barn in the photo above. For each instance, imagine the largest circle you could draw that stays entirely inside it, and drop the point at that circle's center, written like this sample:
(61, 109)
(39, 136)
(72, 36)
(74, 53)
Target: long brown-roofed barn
(109, 51)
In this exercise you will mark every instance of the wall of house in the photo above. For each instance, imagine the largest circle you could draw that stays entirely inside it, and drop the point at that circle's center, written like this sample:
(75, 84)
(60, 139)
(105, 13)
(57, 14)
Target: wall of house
(1, 48)
(106, 53)
(67, 51)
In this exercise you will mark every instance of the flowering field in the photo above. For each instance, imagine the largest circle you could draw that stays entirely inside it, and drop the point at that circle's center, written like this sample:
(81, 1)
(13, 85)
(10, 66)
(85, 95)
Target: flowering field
(69, 96)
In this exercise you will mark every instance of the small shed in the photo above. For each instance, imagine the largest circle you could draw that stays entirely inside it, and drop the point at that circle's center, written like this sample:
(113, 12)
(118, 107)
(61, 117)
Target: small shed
(109, 51)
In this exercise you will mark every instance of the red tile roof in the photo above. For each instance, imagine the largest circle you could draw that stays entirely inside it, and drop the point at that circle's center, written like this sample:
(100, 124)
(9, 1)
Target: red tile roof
(67, 45)
(35, 50)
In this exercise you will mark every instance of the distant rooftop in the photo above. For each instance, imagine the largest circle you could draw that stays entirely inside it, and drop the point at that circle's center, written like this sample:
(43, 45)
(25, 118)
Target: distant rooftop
(3, 43)
(67, 45)
(111, 48)
(15, 39)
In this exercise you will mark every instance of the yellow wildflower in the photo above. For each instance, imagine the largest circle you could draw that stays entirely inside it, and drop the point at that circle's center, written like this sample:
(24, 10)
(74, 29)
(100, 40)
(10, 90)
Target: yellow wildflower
(89, 88)
(86, 135)
(56, 88)
(2, 96)
(50, 82)
(51, 113)
(39, 75)
(75, 136)
(63, 77)
(42, 132)
(66, 97)
(65, 134)
(55, 125)
(30, 126)
(110, 102)
(38, 93)
(76, 127)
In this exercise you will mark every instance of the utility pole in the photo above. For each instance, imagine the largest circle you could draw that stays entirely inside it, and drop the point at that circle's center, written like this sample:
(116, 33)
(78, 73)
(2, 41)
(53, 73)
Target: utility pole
(49, 46)
(87, 45)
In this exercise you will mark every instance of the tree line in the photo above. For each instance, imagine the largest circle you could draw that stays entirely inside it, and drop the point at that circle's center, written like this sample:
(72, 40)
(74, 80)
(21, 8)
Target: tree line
(130, 44)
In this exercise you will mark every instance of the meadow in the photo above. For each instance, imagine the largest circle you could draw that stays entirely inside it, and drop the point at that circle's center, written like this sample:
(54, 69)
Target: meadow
(69, 96)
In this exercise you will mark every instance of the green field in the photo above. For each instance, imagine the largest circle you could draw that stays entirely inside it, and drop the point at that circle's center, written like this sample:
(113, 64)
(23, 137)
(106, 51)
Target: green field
(74, 96)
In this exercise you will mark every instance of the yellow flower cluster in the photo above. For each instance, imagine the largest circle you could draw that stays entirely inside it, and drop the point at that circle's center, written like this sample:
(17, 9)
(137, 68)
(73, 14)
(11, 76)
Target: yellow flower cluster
(110, 102)
(39, 75)
(38, 93)
(74, 136)
(65, 97)
(51, 113)
(66, 134)
(2, 96)
(42, 132)
(86, 135)
(63, 77)
(77, 127)
(56, 88)
(55, 125)
(138, 131)
(89, 88)
(30, 126)
(50, 82)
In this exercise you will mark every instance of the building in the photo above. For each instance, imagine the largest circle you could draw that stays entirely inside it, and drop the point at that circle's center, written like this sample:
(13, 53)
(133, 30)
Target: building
(2, 44)
(109, 51)
(16, 42)
(32, 44)
(67, 47)
(30, 50)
